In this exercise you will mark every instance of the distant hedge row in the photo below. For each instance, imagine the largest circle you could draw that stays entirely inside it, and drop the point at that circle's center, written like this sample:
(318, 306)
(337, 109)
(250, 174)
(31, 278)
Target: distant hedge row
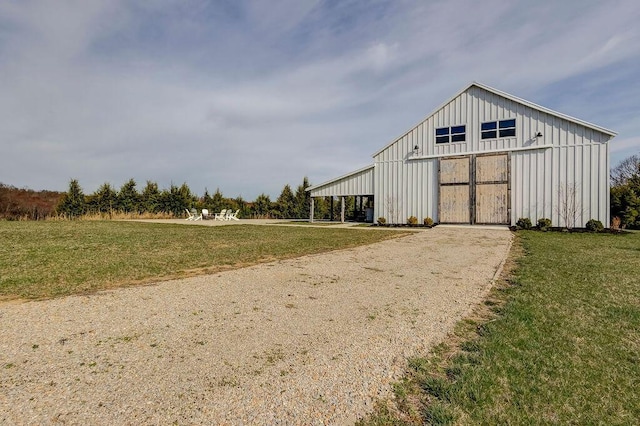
(106, 201)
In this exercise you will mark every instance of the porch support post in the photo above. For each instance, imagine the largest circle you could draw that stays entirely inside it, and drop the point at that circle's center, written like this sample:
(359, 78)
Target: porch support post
(331, 216)
(311, 211)
(342, 209)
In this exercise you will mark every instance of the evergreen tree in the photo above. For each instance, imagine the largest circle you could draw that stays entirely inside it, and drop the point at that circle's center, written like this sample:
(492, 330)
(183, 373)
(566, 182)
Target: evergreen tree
(207, 201)
(321, 208)
(176, 200)
(128, 197)
(350, 207)
(150, 198)
(262, 206)
(105, 199)
(337, 208)
(73, 203)
(286, 203)
(186, 197)
(217, 201)
(303, 200)
(242, 206)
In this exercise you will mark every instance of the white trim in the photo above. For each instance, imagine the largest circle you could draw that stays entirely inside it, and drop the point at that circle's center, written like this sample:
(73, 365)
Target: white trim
(486, 151)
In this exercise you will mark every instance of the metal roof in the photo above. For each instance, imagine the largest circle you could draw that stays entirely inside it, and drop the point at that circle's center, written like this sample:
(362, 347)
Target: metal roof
(334, 180)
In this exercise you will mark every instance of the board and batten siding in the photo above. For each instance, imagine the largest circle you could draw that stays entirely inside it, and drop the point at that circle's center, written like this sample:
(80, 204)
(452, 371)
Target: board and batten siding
(570, 156)
(406, 189)
(542, 180)
(359, 182)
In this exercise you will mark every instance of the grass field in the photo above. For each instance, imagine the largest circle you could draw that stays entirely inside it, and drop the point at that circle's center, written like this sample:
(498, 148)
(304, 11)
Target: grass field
(57, 258)
(559, 343)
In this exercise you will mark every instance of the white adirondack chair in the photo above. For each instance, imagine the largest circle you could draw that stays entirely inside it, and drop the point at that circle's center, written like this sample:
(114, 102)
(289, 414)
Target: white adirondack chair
(232, 215)
(221, 215)
(190, 216)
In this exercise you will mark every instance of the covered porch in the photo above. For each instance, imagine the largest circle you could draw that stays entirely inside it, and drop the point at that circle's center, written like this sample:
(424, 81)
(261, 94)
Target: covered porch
(356, 187)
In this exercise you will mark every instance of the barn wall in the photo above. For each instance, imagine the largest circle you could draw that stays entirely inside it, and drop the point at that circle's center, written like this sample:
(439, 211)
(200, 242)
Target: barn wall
(405, 189)
(547, 183)
(406, 182)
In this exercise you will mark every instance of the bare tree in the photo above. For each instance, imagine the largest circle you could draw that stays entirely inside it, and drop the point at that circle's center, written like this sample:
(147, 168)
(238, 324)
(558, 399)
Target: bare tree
(393, 207)
(626, 169)
(569, 207)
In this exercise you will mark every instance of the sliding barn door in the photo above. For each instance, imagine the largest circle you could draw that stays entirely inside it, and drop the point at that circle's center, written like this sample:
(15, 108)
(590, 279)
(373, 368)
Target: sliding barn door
(474, 189)
(492, 189)
(454, 190)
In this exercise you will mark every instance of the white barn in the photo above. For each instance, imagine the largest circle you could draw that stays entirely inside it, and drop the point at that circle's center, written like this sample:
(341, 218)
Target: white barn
(487, 157)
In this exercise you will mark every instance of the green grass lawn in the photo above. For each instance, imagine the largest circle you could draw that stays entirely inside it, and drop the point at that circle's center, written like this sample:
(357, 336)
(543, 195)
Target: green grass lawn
(561, 344)
(50, 259)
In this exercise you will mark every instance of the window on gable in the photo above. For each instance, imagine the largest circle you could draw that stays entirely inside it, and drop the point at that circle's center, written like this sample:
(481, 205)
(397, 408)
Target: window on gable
(489, 130)
(507, 128)
(502, 128)
(442, 135)
(451, 134)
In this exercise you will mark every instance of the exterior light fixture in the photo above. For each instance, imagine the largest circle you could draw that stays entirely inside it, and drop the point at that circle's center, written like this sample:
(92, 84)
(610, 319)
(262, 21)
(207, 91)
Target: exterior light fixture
(415, 150)
(538, 135)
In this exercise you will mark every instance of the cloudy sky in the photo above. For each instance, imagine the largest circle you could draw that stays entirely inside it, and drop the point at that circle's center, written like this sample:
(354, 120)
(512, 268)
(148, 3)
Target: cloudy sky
(248, 95)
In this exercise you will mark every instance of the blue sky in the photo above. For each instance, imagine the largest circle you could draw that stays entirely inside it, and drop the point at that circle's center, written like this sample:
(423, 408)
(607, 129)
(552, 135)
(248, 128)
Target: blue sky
(248, 96)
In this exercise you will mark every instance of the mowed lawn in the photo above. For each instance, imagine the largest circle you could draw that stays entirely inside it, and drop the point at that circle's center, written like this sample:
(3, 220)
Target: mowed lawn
(562, 345)
(50, 259)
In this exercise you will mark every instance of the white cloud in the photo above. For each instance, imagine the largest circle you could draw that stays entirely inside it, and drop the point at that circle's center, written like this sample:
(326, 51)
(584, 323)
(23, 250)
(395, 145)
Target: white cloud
(631, 145)
(250, 95)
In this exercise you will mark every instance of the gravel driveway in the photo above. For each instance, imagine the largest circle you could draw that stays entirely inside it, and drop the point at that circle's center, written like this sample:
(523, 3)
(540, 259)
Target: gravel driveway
(312, 340)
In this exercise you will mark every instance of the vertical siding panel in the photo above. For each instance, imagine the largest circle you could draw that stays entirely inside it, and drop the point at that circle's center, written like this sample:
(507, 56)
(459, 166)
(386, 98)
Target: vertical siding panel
(586, 183)
(542, 193)
(527, 184)
(536, 209)
(596, 177)
(410, 186)
(580, 184)
(518, 187)
(604, 180)
(533, 186)
(548, 175)
(573, 179)
(556, 178)
(426, 180)
(515, 170)
(417, 186)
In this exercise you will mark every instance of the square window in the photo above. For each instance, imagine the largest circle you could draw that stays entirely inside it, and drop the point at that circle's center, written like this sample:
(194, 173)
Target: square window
(502, 128)
(457, 129)
(491, 125)
(507, 133)
(507, 123)
(491, 134)
(451, 134)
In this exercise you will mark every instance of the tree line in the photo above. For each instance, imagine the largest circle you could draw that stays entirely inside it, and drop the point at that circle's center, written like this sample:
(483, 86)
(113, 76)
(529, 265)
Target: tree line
(625, 193)
(23, 203)
(173, 201)
(106, 200)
